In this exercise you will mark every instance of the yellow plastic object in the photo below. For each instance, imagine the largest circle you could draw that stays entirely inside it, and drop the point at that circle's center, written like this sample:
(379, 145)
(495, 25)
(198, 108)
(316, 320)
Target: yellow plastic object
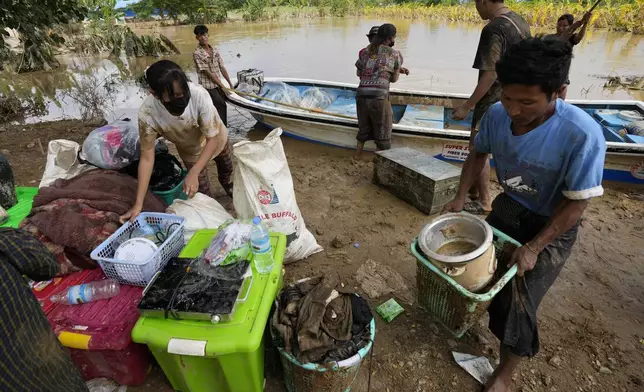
(74, 340)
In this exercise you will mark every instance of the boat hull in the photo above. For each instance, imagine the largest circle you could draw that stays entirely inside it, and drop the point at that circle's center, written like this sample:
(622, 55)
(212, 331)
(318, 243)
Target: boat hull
(617, 167)
(624, 161)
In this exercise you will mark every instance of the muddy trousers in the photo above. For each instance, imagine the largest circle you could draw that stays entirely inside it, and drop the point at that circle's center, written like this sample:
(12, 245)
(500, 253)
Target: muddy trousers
(375, 121)
(513, 312)
(224, 162)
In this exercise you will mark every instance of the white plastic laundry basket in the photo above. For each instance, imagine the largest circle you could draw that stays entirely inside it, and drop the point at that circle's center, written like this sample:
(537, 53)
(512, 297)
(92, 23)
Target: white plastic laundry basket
(138, 274)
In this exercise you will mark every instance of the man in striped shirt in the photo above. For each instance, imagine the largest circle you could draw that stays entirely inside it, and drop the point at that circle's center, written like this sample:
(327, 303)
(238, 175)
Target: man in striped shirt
(211, 71)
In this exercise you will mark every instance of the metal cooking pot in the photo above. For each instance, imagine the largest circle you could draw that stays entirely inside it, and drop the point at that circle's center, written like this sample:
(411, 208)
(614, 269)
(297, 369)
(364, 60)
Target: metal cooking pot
(472, 270)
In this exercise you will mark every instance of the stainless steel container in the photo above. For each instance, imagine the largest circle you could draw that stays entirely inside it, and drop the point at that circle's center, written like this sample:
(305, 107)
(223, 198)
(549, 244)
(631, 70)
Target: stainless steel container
(471, 261)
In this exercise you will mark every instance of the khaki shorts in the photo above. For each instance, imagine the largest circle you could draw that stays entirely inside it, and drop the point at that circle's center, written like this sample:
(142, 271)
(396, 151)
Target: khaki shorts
(375, 121)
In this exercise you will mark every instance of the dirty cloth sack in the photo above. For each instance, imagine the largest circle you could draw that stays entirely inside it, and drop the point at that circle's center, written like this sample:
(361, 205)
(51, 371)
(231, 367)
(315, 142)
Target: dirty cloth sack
(200, 212)
(316, 321)
(72, 217)
(62, 162)
(264, 188)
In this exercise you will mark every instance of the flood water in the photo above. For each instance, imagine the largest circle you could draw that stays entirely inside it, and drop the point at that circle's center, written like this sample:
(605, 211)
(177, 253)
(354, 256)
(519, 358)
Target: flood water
(439, 56)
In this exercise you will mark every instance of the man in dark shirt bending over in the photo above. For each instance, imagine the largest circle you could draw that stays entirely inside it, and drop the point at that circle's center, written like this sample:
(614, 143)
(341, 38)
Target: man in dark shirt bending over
(504, 29)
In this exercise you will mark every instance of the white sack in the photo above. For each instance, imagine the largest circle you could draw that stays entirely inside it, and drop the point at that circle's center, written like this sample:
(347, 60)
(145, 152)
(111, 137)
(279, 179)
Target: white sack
(62, 162)
(264, 188)
(200, 212)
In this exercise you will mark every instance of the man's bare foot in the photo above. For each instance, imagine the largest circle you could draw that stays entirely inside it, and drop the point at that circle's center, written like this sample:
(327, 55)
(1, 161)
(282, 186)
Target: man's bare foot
(497, 384)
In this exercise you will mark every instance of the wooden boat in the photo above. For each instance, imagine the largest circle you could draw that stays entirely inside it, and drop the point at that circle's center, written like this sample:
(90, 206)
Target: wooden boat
(423, 120)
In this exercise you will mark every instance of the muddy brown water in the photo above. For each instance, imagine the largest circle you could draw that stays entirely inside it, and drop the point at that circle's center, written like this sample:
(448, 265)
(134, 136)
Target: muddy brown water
(439, 56)
(456, 248)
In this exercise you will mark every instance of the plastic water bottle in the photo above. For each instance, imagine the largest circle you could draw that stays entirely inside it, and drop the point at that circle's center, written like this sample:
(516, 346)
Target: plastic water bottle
(93, 291)
(260, 243)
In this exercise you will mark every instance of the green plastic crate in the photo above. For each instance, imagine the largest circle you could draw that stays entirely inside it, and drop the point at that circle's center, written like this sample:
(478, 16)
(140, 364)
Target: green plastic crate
(20, 211)
(450, 303)
(198, 356)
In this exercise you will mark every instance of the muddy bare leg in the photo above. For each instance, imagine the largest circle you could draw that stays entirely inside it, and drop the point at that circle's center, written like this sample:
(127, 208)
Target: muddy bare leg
(502, 377)
(359, 149)
(483, 186)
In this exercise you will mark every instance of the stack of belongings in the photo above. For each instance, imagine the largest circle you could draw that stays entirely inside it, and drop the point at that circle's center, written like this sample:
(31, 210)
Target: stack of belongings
(319, 321)
(72, 217)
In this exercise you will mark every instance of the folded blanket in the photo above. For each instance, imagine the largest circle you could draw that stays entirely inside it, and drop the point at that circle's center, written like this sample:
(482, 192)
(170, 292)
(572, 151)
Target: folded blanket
(72, 217)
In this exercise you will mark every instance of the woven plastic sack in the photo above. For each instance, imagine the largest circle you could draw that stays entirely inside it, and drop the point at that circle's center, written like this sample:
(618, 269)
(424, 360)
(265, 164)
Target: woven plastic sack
(200, 212)
(62, 162)
(264, 188)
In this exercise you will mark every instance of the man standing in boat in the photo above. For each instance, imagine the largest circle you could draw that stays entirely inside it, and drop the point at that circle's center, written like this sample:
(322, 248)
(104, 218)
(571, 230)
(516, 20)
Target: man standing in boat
(566, 31)
(378, 65)
(504, 29)
(211, 71)
(549, 158)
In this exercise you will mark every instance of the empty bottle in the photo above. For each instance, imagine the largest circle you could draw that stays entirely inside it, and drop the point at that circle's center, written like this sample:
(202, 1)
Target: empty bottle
(260, 243)
(93, 291)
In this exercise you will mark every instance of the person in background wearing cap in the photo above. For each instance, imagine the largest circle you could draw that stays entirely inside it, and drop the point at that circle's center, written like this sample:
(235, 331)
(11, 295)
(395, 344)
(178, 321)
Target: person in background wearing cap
(372, 33)
(378, 65)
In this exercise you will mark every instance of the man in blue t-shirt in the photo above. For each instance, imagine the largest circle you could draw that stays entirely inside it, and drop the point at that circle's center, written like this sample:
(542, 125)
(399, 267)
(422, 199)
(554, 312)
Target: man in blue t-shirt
(549, 158)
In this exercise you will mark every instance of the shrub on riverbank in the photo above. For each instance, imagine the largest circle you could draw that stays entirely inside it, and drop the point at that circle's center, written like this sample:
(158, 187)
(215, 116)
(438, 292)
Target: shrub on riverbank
(540, 13)
(626, 16)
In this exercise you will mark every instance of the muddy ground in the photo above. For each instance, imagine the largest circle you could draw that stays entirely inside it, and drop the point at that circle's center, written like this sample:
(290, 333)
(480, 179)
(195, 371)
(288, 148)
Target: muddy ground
(591, 322)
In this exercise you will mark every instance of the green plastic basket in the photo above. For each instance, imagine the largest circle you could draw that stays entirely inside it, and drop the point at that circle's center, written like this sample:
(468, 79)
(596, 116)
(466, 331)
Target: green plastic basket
(175, 193)
(450, 303)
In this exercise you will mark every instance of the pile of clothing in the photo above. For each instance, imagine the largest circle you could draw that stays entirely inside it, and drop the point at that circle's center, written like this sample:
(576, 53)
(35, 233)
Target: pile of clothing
(72, 217)
(319, 321)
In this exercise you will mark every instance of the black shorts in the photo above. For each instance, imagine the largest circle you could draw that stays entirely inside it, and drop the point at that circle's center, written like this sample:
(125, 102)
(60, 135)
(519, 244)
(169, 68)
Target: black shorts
(513, 311)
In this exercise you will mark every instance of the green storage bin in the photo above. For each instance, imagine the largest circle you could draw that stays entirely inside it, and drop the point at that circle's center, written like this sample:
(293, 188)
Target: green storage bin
(198, 356)
(20, 211)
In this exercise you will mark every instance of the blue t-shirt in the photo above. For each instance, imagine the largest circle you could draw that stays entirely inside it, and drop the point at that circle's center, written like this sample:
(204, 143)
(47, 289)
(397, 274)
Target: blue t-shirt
(563, 157)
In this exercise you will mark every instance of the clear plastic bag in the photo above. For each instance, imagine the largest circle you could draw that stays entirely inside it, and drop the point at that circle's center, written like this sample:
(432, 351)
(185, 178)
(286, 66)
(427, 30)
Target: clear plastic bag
(345, 105)
(281, 92)
(231, 244)
(112, 146)
(316, 98)
(635, 128)
(247, 88)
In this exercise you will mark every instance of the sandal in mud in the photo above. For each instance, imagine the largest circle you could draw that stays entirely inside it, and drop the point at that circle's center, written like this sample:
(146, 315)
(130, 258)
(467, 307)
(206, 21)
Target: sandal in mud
(475, 208)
